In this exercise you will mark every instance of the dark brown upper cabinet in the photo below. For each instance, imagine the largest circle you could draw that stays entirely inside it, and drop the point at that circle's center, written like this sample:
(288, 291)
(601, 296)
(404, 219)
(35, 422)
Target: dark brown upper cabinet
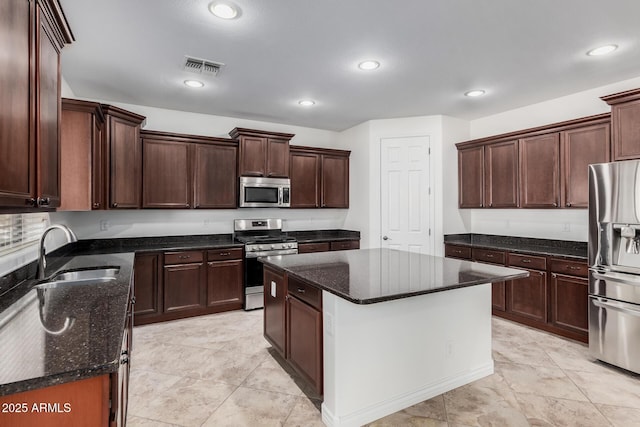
(580, 148)
(544, 167)
(625, 124)
(81, 156)
(262, 153)
(501, 175)
(319, 177)
(33, 35)
(188, 171)
(471, 177)
(540, 171)
(123, 150)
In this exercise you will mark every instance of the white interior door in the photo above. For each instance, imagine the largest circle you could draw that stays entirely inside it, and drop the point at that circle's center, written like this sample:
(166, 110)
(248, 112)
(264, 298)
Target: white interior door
(405, 194)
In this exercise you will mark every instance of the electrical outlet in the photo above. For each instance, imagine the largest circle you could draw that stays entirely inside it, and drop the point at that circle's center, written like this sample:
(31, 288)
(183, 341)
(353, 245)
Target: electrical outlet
(566, 226)
(104, 225)
(448, 349)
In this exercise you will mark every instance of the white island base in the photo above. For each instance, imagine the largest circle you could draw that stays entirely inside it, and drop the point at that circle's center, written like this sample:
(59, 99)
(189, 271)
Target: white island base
(383, 357)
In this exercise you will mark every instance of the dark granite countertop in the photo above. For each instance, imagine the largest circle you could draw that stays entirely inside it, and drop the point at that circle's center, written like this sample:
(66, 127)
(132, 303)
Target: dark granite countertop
(317, 236)
(369, 276)
(38, 351)
(528, 245)
(162, 243)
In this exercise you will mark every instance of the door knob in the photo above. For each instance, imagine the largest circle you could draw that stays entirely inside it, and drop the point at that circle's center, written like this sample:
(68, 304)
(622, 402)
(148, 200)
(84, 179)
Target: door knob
(385, 238)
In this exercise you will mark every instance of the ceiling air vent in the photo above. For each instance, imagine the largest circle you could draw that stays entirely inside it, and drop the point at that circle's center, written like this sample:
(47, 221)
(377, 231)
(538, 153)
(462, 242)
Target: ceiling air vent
(202, 66)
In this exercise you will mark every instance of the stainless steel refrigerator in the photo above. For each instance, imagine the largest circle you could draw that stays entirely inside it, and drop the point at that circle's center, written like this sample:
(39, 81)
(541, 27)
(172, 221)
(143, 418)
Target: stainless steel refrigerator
(614, 263)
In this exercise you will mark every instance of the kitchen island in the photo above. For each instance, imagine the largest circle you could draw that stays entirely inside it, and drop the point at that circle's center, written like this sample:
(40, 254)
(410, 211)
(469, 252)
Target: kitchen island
(379, 330)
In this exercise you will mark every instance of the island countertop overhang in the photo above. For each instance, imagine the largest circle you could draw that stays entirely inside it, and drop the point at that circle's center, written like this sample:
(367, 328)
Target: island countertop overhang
(369, 276)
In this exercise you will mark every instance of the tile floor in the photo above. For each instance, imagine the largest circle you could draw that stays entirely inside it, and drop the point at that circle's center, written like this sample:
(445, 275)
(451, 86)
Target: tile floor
(217, 370)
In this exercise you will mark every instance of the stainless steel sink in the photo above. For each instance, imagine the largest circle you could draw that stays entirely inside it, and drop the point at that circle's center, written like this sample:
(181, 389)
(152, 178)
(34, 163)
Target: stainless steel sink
(80, 277)
(83, 275)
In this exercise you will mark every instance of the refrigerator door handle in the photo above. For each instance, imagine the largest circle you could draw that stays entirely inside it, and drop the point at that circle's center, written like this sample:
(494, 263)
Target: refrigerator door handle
(604, 303)
(628, 279)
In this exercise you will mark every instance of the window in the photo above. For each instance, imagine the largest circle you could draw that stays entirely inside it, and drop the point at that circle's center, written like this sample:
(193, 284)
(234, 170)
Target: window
(18, 231)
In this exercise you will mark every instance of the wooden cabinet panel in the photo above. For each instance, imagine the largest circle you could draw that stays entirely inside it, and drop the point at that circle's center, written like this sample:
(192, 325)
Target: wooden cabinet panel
(47, 112)
(304, 172)
(568, 267)
(539, 171)
(305, 292)
(253, 151)
(183, 257)
(335, 182)
(304, 341)
(569, 302)
(580, 148)
(490, 256)
(527, 297)
(625, 124)
(184, 287)
(305, 248)
(345, 245)
(527, 261)
(224, 254)
(125, 161)
(274, 309)
(499, 296)
(166, 174)
(455, 251)
(471, 177)
(501, 175)
(17, 136)
(215, 182)
(277, 158)
(224, 284)
(81, 156)
(148, 289)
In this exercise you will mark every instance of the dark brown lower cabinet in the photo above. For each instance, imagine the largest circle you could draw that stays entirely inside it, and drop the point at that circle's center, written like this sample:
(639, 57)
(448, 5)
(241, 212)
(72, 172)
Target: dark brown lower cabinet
(177, 284)
(345, 245)
(553, 298)
(336, 245)
(304, 341)
(528, 296)
(275, 291)
(222, 284)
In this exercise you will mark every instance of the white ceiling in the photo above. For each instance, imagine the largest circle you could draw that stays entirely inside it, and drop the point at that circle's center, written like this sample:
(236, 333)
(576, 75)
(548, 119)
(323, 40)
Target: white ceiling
(281, 51)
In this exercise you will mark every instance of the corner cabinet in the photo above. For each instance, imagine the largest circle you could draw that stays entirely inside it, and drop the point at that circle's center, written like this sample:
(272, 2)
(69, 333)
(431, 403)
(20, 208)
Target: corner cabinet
(262, 153)
(625, 123)
(319, 177)
(34, 33)
(275, 292)
(471, 177)
(188, 171)
(123, 157)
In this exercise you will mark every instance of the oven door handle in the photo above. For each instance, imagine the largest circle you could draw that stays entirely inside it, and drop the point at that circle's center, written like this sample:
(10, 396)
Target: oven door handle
(624, 308)
(628, 279)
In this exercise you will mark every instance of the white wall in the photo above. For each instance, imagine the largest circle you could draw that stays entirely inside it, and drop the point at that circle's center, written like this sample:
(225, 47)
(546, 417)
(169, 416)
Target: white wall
(455, 220)
(565, 224)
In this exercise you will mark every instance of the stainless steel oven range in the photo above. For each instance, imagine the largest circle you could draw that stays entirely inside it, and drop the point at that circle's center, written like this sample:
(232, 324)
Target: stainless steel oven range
(261, 237)
(614, 263)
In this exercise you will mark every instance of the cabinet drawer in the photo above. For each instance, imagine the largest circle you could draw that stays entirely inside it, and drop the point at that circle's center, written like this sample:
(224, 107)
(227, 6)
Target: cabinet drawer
(453, 251)
(183, 257)
(224, 254)
(344, 245)
(487, 255)
(528, 261)
(305, 292)
(571, 268)
(306, 248)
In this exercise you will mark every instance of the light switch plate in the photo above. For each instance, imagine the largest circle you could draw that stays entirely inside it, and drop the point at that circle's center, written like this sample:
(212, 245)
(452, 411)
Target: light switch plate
(273, 289)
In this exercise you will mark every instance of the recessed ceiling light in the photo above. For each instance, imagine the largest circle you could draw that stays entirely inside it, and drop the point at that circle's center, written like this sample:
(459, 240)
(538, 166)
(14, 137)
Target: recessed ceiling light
(193, 83)
(602, 50)
(223, 10)
(474, 93)
(368, 65)
(306, 102)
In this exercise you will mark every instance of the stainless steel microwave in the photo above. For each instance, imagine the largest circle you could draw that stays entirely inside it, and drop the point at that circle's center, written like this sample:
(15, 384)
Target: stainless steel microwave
(264, 192)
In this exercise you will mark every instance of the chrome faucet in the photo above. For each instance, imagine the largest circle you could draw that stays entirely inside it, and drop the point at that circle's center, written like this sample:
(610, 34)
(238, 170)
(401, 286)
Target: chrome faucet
(42, 262)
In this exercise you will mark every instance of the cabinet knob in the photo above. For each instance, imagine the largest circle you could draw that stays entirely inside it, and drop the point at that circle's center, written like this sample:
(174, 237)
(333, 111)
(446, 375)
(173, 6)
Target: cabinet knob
(568, 205)
(225, 253)
(45, 201)
(188, 205)
(526, 261)
(114, 205)
(31, 202)
(96, 205)
(491, 205)
(133, 300)
(555, 205)
(302, 291)
(554, 275)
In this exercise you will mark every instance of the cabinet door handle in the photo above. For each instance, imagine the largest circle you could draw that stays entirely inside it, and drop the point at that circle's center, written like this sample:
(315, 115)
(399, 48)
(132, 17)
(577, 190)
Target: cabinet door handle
(114, 205)
(526, 261)
(301, 290)
(184, 256)
(133, 300)
(570, 267)
(188, 205)
(96, 205)
(124, 360)
(490, 256)
(568, 205)
(555, 205)
(44, 201)
(31, 202)
(554, 275)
